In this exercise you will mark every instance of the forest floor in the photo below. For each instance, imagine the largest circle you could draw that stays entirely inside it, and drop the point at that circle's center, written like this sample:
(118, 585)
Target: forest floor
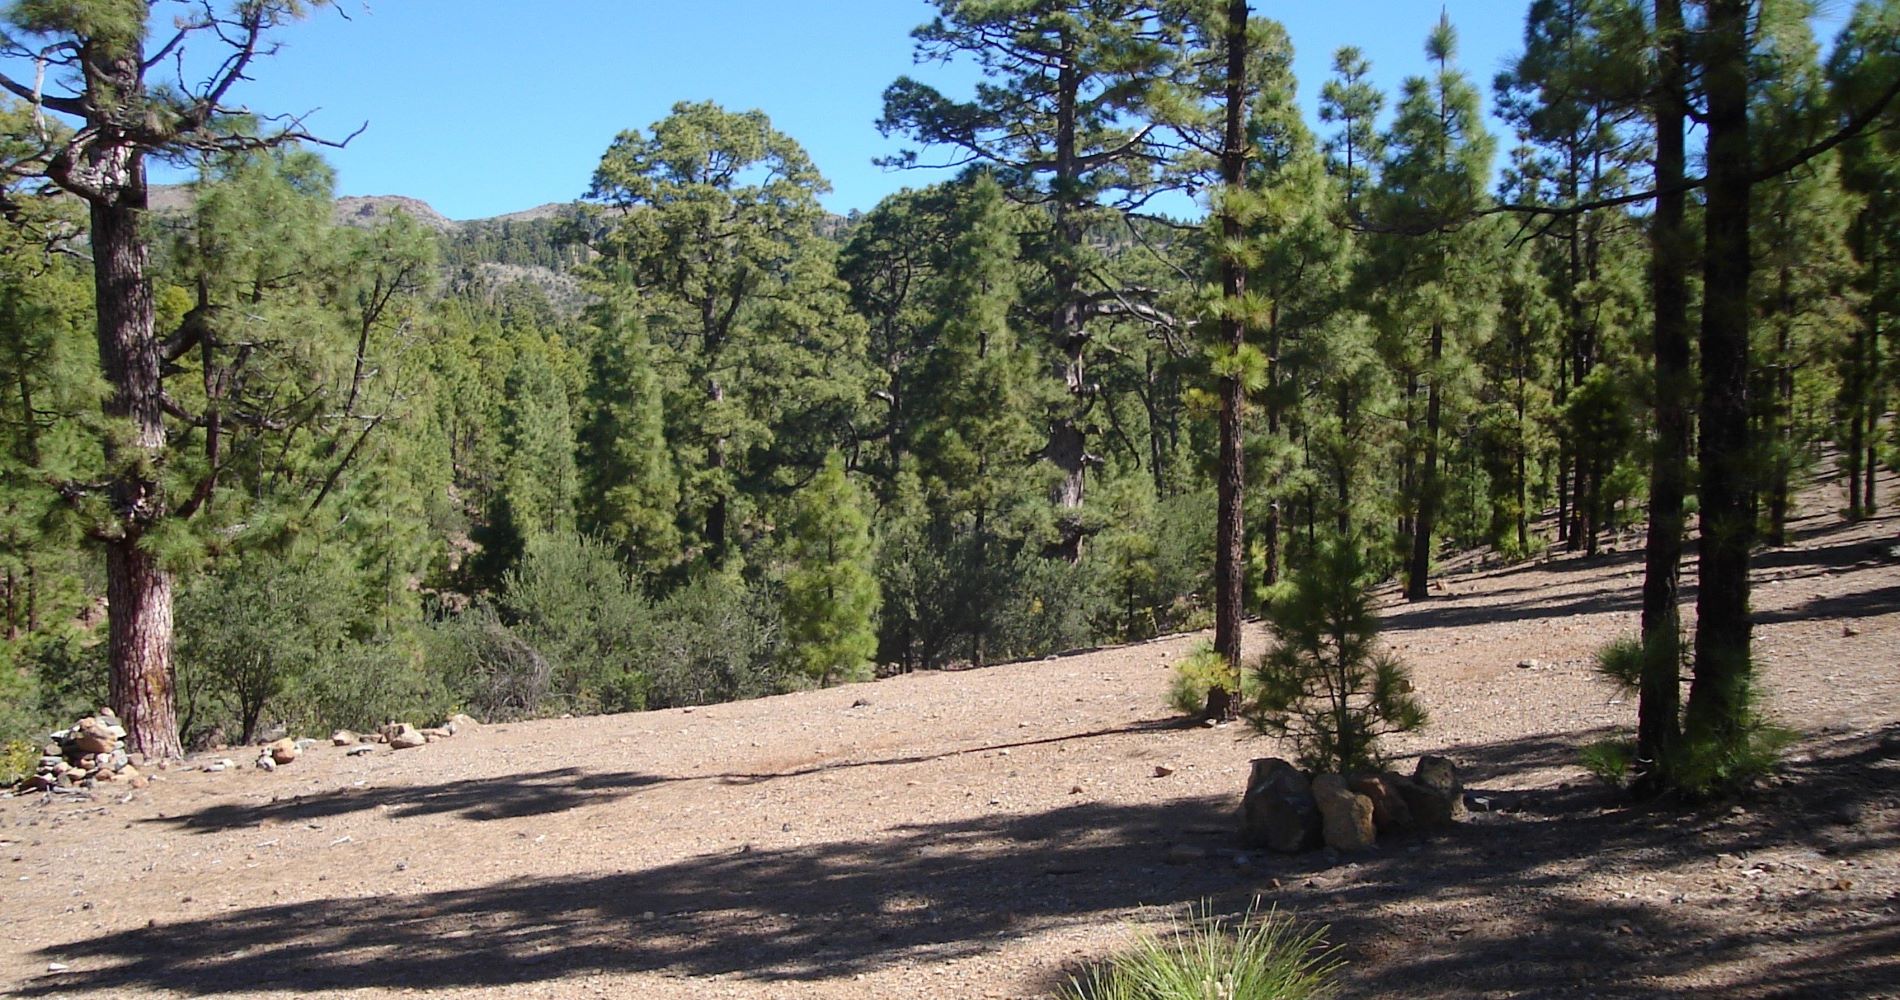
(984, 833)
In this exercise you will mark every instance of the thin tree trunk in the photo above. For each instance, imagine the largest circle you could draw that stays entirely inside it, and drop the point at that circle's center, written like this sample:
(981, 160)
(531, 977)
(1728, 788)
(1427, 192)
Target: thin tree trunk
(1415, 587)
(1230, 540)
(1719, 695)
(1659, 706)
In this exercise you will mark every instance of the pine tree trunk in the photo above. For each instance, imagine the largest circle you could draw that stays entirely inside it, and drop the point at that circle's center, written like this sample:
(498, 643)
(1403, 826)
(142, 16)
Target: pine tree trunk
(1659, 706)
(1230, 533)
(138, 589)
(1068, 442)
(1718, 697)
(1421, 565)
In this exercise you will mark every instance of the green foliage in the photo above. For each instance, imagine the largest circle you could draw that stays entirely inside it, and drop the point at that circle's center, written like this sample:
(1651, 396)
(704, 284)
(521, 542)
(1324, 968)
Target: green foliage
(1707, 767)
(1260, 957)
(1610, 760)
(573, 601)
(1325, 685)
(831, 594)
(716, 639)
(18, 760)
(254, 630)
(1200, 672)
(1620, 662)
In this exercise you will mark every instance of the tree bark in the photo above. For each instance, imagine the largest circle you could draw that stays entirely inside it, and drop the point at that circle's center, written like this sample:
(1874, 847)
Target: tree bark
(1719, 694)
(1230, 540)
(1421, 565)
(1659, 705)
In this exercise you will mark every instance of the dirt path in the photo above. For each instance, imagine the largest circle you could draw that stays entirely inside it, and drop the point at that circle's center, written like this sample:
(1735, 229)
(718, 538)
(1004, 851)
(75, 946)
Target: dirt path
(978, 834)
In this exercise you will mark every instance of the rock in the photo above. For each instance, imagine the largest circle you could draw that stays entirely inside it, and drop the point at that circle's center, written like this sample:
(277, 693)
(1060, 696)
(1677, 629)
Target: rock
(1849, 631)
(305, 743)
(129, 773)
(403, 736)
(93, 736)
(1345, 815)
(434, 733)
(1278, 811)
(265, 763)
(344, 738)
(1162, 770)
(1434, 794)
(1527, 664)
(1390, 814)
(361, 749)
(283, 751)
(459, 723)
(1186, 854)
(119, 760)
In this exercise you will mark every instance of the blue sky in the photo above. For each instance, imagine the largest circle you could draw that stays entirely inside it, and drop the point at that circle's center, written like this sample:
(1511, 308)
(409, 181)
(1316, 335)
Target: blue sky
(480, 108)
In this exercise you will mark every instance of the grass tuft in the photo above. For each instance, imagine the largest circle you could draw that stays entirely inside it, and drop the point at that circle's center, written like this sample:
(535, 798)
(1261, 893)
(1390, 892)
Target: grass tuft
(1260, 957)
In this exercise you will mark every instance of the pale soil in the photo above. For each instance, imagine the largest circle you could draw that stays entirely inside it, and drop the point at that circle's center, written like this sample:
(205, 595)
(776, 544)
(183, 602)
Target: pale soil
(981, 833)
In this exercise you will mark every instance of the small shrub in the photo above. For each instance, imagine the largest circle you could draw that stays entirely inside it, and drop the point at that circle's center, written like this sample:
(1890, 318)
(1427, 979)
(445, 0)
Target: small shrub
(1610, 760)
(1620, 662)
(18, 759)
(1263, 958)
(1706, 769)
(1202, 671)
(1326, 686)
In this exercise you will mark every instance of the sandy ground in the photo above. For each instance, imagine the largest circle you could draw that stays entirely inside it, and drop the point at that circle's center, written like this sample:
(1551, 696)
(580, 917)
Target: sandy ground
(984, 833)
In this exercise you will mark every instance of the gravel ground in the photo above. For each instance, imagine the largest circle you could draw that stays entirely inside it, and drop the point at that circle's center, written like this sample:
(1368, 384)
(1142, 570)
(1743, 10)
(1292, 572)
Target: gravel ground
(985, 833)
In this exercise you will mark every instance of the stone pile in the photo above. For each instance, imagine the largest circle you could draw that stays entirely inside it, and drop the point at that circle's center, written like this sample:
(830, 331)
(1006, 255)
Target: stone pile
(1288, 810)
(91, 751)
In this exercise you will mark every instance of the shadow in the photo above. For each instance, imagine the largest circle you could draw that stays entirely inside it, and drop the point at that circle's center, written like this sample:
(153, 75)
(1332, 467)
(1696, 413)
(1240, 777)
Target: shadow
(517, 795)
(1499, 906)
(508, 797)
(1865, 604)
(1431, 615)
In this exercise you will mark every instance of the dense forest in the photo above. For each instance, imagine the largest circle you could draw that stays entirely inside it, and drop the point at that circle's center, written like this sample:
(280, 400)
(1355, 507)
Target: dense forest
(694, 439)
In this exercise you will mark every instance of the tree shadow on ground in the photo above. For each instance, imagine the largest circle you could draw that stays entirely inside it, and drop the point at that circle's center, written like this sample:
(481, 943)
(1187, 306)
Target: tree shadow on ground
(507, 797)
(514, 796)
(927, 892)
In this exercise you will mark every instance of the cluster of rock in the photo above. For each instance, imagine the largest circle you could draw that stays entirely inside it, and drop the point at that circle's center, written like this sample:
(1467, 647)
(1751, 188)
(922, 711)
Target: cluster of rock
(90, 751)
(1286, 809)
(396, 735)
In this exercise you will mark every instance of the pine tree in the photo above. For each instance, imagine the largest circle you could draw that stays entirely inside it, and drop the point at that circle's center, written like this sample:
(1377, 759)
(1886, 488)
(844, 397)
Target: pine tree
(1325, 685)
(831, 593)
(97, 76)
(1066, 119)
(1435, 175)
(632, 491)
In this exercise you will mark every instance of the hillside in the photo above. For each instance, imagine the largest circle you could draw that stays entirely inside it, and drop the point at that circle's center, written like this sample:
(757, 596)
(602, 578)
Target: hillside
(978, 834)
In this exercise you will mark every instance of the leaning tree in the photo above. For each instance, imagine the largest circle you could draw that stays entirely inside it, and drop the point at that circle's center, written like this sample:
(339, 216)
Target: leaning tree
(104, 101)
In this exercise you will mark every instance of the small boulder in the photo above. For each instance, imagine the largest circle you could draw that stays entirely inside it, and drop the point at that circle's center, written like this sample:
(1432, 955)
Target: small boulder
(93, 736)
(283, 751)
(265, 763)
(344, 738)
(1346, 816)
(403, 736)
(434, 733)
(360, 749)
(1434, 794)
(1389, 811)
(459, 723)
(1278, 811)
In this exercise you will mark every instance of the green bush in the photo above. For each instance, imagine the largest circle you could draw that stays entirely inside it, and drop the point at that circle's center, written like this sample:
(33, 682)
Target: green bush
(1262, 958)
(1610, 760)
(1620, 662)
(714, 640)
(1201, 672)
(1706, 769)
(574, 602)
(1326, 686)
